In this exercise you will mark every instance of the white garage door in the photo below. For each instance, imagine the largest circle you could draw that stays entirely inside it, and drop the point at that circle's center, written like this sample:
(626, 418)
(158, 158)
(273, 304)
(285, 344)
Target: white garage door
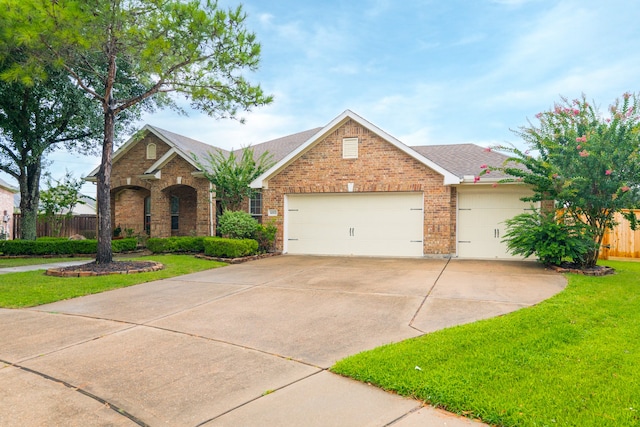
(372, 224)
(481, 215)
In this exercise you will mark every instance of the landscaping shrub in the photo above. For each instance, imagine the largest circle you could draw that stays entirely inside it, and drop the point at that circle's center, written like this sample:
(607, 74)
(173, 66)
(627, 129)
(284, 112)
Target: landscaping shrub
(175, 244)
(229, 248)
(60, 246)
(552, 241)
(266, 236)
(237, 225)
(124, 245)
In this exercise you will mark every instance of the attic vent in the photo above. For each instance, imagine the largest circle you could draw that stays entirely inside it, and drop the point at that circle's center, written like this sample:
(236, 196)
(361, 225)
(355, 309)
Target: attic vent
(350, 148)
(151, 151)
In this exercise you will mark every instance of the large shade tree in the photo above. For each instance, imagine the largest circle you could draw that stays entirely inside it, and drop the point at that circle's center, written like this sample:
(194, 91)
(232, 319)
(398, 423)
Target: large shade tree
(125, 52)
(38, 115)
(586, 161)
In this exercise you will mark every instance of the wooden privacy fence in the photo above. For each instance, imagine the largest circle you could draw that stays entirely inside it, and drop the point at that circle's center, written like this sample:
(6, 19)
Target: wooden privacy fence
(622, 241)
(77, 224)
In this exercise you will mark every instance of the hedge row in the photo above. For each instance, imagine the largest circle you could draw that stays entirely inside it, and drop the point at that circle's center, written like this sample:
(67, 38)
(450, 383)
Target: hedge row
(61, 246)
(175, 244)
(229, 248)
(212, 246)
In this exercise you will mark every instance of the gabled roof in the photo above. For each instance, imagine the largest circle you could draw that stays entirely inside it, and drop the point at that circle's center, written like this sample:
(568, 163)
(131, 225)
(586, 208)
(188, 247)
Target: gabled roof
(449, 178)
(180, 145)
(10, 188)
(464, 160)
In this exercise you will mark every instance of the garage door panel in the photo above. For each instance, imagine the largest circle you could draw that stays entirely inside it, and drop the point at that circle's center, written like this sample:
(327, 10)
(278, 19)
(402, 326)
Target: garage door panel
(481, 220)
(355, 224)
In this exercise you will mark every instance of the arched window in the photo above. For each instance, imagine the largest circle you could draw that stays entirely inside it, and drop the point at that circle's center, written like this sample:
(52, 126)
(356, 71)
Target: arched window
(151, 151)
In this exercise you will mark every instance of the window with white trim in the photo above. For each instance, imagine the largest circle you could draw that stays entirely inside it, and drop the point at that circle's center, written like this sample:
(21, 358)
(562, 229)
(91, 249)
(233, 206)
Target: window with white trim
(255, 205)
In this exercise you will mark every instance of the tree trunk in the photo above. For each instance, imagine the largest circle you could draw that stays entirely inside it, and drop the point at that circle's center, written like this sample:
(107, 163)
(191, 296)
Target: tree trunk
(29, 199)
(103, 192)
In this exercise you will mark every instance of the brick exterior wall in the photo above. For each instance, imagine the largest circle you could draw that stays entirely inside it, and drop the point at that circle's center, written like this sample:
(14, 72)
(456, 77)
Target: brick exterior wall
(128, 192)
(380, 167)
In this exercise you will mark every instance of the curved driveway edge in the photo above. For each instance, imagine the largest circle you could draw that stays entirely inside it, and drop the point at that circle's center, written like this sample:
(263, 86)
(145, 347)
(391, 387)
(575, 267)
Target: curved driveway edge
(246, 344)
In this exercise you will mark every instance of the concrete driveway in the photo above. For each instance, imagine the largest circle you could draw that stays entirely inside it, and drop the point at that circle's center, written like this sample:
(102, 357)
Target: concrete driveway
(246, 344)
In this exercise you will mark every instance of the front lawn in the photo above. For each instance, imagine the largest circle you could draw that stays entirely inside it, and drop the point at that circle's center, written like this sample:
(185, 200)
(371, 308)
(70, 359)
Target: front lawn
(573, 360)
(35, 288)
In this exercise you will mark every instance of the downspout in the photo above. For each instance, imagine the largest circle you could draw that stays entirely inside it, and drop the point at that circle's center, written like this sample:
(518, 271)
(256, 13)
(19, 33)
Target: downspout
(211, 209)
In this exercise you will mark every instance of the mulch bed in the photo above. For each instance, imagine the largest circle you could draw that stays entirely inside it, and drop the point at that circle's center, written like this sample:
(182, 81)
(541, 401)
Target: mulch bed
(116, 267)
(598, 270)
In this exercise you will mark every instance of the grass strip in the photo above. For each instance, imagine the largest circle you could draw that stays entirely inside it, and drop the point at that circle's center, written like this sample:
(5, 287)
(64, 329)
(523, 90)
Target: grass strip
(573, 360)
(33, 288)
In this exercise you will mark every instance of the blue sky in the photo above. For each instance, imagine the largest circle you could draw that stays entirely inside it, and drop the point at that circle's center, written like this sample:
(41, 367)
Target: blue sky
(427, 72)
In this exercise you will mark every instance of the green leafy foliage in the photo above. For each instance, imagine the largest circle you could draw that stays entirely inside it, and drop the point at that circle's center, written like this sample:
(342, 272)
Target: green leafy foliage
(237, 225)
(60, 246)
(265, 235)
(176, 244)
(588, 163)
(231, 175)
(551, 240)
(229, 248)
(58, 200)
(126, 55)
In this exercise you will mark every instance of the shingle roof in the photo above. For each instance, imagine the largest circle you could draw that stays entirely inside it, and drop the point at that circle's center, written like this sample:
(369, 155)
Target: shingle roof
(460, 160)
(280, 147)
(188, 146)
(463, 159)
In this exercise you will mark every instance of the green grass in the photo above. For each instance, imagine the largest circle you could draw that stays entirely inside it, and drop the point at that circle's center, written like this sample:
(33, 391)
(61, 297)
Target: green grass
(573, 360)
(35, 288)
(18, 262)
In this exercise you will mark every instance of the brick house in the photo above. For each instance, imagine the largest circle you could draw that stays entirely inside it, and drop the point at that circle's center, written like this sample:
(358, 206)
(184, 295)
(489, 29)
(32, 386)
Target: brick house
(6, 209)
(348, 188)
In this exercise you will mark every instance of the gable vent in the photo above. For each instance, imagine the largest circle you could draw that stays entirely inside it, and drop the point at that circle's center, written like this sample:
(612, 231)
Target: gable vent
(350, 148)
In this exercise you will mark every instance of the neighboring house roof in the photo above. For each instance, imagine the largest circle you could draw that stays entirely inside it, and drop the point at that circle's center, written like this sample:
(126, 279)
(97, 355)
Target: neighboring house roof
(449, 178)
(464, 160)
(6, 186)
(87, 207)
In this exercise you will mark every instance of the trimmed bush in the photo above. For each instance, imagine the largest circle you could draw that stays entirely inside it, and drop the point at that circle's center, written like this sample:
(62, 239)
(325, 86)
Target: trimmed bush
(551, 240)
(123, 245)
(237, 225)
(60, 246)
(266, 236)
(229, 248)
(175, 244)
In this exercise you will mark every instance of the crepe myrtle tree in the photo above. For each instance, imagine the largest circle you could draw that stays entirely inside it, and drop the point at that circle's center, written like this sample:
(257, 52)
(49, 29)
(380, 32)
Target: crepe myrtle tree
(231, 174)
(585, 161)
(122, 53)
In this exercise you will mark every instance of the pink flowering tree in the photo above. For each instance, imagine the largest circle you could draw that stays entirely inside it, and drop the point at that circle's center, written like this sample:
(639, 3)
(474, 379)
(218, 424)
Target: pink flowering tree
(586, 161)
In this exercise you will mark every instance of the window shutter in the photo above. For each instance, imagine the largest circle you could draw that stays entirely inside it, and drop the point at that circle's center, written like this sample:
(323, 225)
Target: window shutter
(350, 148)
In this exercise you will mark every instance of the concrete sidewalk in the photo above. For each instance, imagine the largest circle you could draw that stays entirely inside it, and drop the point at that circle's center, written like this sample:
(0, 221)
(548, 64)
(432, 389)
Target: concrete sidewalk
(246, 344)
(47, 266)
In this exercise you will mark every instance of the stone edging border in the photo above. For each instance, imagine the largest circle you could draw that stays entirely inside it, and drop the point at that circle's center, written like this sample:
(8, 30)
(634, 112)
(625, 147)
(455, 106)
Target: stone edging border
(604, 271)
(238, 260)
(57, 272)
